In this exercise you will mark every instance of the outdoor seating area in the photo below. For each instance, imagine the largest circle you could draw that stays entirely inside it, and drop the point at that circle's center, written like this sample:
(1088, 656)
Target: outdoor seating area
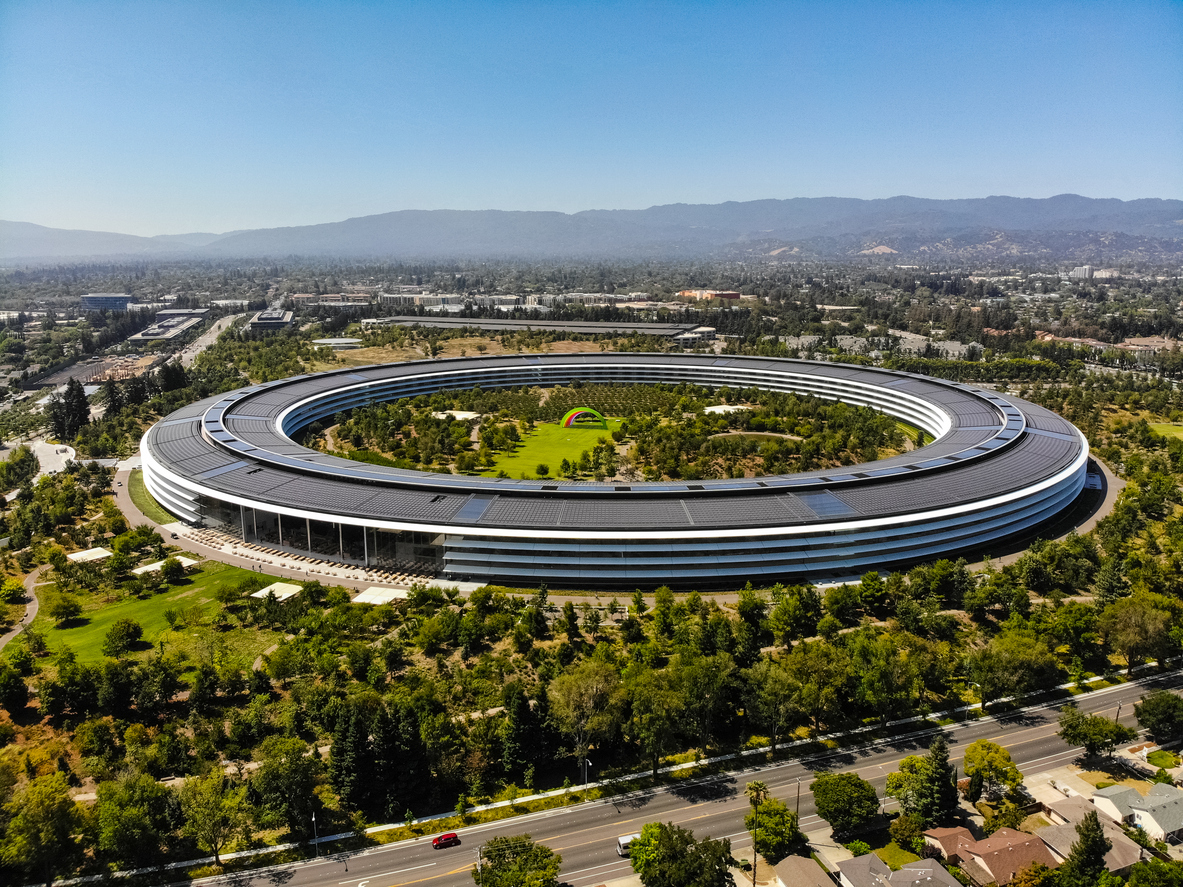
(390, 572)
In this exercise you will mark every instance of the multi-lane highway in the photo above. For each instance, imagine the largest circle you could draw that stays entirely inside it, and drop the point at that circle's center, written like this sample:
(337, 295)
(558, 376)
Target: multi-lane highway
(585, 834)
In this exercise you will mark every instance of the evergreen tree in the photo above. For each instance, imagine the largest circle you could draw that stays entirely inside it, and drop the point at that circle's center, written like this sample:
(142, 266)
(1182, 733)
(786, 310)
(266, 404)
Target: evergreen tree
(517, 732)
(1086, 860)
(350, 766)
(936, 792)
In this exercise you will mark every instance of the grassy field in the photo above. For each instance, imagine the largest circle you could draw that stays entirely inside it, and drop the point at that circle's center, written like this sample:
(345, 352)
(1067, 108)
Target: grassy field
(143, 499)
(1167, 429)
(194, 597)
(549, 445)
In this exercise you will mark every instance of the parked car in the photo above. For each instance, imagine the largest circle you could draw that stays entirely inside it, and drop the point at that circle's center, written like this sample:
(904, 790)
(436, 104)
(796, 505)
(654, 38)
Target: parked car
(445, 840)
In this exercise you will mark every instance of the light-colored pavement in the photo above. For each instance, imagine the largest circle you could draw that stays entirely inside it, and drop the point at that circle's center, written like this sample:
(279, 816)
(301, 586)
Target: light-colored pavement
(31, 608)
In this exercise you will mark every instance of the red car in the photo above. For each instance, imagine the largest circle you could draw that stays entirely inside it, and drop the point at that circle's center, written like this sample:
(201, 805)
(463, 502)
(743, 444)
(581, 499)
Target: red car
(445, 840)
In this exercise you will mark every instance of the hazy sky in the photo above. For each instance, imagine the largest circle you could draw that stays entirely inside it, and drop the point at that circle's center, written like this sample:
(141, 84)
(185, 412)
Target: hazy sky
(168, 117)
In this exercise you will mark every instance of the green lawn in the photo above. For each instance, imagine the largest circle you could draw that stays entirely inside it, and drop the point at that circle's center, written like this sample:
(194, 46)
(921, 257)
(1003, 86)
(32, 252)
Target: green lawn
(1167, 429)
(549, 444)
(85, 636)
(896, 856)
(143, 499)
(1163, 759)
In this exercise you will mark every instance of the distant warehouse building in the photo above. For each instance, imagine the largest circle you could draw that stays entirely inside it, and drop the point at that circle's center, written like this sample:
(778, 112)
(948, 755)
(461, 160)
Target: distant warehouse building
(105, 302)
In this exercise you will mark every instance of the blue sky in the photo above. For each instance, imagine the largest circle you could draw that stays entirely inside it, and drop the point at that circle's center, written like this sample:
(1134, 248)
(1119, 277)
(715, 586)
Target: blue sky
(167, 117)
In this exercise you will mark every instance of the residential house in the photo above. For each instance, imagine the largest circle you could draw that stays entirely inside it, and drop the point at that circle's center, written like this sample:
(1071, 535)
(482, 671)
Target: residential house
(949, 841)
(1160, 813)
(1000, 857)
(802, 871)
(1116, 802)
(1121, 856)
(871, 871)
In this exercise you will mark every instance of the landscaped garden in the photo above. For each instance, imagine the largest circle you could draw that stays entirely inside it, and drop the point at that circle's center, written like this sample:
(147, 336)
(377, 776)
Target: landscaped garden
(652, 433)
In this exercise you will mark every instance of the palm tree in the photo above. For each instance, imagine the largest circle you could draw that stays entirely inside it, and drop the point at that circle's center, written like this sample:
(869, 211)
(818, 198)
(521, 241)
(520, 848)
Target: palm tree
(757, 793)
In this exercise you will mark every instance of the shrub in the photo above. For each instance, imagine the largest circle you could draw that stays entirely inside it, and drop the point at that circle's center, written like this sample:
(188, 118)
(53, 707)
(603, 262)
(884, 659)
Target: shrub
(859, 848)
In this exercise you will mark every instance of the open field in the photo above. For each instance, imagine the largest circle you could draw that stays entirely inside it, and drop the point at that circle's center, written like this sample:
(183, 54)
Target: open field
(144, 501)
(549, 444)
(1167, 429)
(193, 597)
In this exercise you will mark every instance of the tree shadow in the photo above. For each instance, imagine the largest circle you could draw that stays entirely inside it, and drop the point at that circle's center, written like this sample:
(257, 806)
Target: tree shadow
(718, 788)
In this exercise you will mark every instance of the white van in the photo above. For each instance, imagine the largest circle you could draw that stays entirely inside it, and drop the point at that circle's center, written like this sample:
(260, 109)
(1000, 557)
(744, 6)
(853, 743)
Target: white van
(622, 843)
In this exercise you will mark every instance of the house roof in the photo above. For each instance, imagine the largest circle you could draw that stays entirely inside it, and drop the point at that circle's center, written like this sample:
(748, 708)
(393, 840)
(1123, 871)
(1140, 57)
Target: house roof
(871, 871)
(951, 839)
(1123, 854)
(1165, 805)
(1120, 796)
(867, 870)
(802, 871)
(1072, 809)
(1006, 852)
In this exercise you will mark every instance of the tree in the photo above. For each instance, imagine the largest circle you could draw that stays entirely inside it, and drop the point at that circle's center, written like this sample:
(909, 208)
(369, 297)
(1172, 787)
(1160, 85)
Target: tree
(1161, 713)
(351, 759)
(121, 637)
(1098, 735)
(657, 712)
(757, 793)
(41, 824)
(214, 811)
(1156, 873)
(68, 412)
(132, 814)
(1015, 661)
(926, 787)
(992, 764)
(1035, 875)
(667, 855)
(14, 692)
(172, 570)
(936, 797)
(517, 862)
(285, 785)
(775, 830)
(64, 607)
(771, 698)
(586, 704)
(1135, 627)
(845, 800)
(1086, 859)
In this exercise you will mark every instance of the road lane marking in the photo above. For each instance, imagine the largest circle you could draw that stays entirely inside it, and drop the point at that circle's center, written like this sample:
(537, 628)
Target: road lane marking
(387, 874)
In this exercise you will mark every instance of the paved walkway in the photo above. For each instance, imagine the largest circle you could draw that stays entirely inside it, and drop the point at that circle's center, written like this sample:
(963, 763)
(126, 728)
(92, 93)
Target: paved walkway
(31, 607)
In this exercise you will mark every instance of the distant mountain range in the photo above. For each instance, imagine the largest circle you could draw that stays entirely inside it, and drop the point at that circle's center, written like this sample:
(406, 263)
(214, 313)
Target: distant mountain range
(1055, 228)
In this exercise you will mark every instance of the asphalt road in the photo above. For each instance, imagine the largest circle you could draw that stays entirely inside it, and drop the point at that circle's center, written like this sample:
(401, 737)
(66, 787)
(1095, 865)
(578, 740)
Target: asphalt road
(585, 835)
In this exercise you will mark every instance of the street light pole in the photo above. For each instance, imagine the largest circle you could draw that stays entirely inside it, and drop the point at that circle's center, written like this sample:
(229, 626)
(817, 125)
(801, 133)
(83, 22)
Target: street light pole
(798, 812)
(755, 852)
(586, 764)
(1117, 717)
(315, 836)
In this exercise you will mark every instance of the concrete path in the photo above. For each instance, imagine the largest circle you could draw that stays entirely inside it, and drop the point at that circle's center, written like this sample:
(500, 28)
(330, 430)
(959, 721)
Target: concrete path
(31, 607)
